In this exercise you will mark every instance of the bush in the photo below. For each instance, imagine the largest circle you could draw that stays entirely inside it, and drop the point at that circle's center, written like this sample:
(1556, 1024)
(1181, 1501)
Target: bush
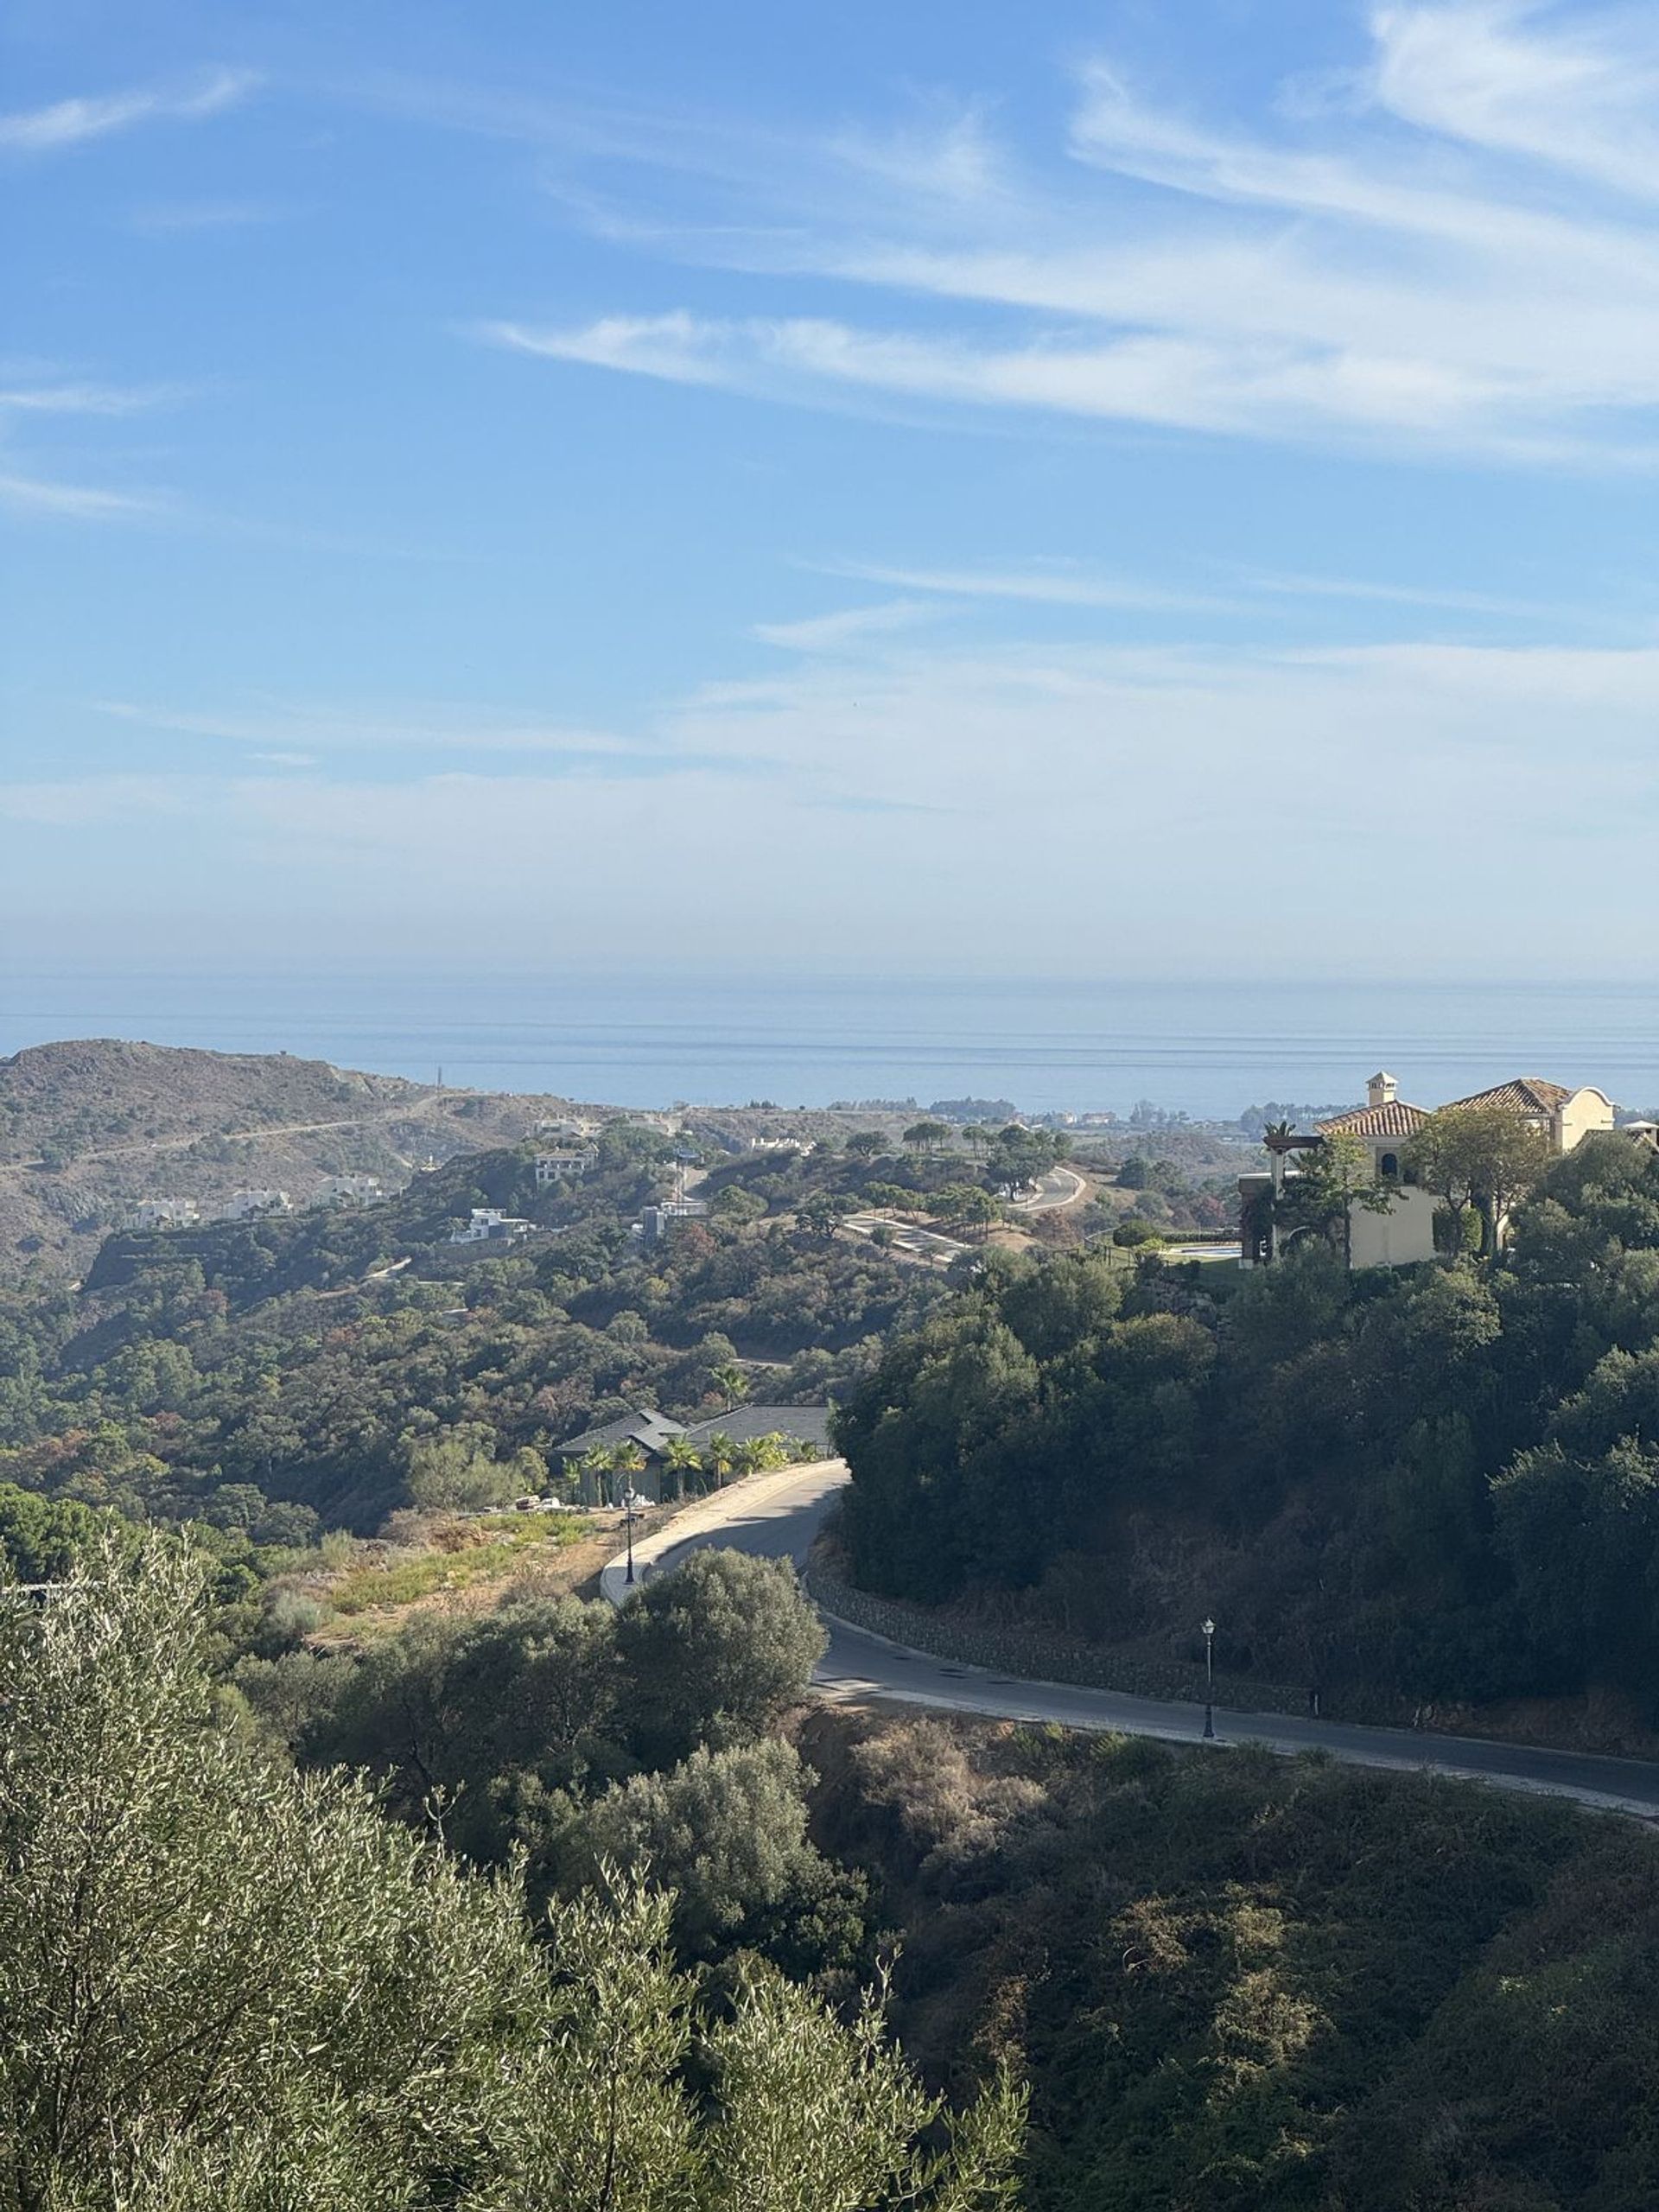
(713, 1653)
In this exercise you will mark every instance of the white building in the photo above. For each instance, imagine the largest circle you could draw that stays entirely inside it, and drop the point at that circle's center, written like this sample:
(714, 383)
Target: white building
(569, 1126)
(248, 1206)
(655, 1222)
(164, 1213)
(347, 1190)
(567, 1167)
(489, 1225)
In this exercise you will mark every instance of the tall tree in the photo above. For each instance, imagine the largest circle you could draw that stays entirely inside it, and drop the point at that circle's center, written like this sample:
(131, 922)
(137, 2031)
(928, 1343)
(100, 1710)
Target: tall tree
(1483, 1156)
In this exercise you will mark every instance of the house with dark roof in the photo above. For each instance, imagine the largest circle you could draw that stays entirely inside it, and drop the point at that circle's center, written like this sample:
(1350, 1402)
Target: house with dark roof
(1403, 1235)
(651, 1433)
(806, 1424)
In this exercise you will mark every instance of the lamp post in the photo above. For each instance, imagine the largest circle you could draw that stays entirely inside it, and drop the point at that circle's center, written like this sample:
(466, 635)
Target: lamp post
(632, 1502)
(1209, 1628)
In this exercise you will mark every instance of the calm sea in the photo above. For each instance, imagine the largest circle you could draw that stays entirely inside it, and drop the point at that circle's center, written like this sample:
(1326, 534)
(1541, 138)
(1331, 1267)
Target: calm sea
(1210, 1048)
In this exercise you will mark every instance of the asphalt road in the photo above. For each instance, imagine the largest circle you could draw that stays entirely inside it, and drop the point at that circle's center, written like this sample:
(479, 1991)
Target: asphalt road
(1059, 1188)
(778, 1516)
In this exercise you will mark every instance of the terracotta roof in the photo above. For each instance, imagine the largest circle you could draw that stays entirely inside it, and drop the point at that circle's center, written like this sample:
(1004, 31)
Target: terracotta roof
(1528, 1094)
(1396, 1119)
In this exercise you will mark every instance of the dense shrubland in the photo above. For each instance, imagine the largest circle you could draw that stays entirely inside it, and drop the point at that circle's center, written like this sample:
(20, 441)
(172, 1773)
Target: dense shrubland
(1242, 1984)
(256, 1377)
(1440, 1482)
(226, 1985)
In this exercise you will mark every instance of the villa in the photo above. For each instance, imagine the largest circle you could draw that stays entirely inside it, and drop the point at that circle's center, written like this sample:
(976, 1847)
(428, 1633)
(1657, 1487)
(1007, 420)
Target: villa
(1403, 1235)
(489, 1225)
(566, 1165)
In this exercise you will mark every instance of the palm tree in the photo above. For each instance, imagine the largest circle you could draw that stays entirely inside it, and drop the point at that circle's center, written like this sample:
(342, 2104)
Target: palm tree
(592, 1471)
(683, 1461)
(757, 1455)
(626, 1460)
(732, 1383)
(719, 1457)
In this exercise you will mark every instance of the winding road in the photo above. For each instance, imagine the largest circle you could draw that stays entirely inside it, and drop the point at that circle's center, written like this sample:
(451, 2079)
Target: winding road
(777, 1516)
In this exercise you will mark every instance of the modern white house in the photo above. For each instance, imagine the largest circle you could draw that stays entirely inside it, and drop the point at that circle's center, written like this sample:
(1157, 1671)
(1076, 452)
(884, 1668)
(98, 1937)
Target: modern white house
(489, 1225)
(564, 1166)
(655, 1222)
(1403, 1235)
(248, 1206)
(346, 1191)
(567, 1128)
(164, 1213)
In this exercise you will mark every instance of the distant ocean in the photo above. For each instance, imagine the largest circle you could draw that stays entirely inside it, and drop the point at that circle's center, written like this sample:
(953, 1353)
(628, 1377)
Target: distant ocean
(1209, 1049)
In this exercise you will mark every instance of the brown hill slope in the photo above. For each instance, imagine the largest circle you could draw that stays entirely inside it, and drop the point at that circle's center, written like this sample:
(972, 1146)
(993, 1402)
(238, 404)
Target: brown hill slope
(62, 1101)
(88, 1129)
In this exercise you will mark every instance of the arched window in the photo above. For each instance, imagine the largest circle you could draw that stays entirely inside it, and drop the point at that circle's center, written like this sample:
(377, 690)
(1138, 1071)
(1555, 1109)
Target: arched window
(1390, 1165)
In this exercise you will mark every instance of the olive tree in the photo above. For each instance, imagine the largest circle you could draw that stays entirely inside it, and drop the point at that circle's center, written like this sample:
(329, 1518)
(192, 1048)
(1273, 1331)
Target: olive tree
(227, 1988)
(713, 1653)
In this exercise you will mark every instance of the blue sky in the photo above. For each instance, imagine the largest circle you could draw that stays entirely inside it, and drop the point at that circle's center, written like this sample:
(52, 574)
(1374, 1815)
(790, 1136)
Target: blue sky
(1116, 490)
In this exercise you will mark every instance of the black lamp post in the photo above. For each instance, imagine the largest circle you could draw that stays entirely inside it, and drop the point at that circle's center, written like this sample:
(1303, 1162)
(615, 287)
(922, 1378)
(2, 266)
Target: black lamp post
(631, 1505)
(1209, 1628)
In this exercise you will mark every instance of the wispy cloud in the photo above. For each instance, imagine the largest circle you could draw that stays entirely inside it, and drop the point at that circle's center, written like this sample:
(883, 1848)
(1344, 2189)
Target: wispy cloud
(166, 218)
(1454, 602)
(1572, 87)
(34, 495)
(84, 398)
(72, 122)
(849, 628)
(1449, 266)
(1052, 583)
(294, 732)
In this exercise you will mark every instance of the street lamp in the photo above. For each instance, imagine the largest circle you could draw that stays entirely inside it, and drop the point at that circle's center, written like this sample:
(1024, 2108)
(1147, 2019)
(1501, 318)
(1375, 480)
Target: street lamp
(633, 1504)
(1209, 1628)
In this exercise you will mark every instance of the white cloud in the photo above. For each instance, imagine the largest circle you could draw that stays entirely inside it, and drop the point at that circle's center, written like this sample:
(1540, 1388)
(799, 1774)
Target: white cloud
(79, 502)
(851, 628)
(1055, 583)
(84, 398)
(291, 732)
(1449, 266)
(1568, 86)
(71, 122)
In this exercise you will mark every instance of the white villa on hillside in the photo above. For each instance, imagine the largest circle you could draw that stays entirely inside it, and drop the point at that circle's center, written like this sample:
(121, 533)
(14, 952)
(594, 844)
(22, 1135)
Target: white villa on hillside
(563, 1166)
(1404, 1234)
(250, 1205)
(489, 1225)
(164, 1213)
(346, 1191)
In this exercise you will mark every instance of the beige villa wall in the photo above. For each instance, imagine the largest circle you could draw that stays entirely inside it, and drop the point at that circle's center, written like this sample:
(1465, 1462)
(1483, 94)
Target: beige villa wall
(1585, 1111)
(1398, 1238)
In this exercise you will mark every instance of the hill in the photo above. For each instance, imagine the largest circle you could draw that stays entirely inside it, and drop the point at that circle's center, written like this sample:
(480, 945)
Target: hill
(91, 1129)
